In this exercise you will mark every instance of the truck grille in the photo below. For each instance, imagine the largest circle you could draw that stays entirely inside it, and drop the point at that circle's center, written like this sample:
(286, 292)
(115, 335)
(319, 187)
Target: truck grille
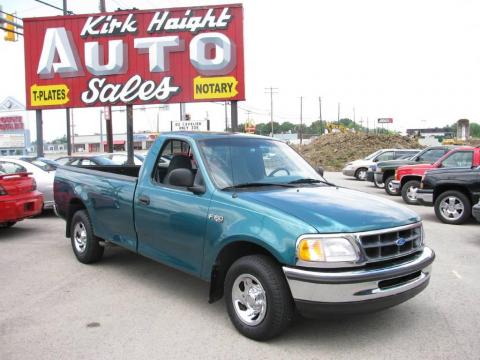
(398, 242)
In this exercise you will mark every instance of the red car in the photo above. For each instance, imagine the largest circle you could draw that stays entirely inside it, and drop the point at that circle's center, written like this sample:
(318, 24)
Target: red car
(408, 178)
(19, 198)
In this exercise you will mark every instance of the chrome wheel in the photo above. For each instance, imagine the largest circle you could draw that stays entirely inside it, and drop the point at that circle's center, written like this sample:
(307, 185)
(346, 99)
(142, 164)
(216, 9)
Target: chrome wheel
(391, 188)
(412, 193)
(452, 208)
(249, 299)
(80, 237)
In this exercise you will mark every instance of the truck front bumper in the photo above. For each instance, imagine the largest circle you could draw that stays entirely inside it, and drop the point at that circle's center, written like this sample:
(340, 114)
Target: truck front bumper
(425, 197)
(395, 184)
(345, 291)
(370, 175)
(476, 211)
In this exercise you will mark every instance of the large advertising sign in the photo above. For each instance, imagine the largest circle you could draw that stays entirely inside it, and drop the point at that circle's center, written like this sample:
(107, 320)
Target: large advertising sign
(11, 123)
(135, 57)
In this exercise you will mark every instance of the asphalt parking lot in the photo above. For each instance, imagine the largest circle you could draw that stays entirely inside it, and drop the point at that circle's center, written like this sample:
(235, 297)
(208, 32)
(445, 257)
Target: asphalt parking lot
(129, 307)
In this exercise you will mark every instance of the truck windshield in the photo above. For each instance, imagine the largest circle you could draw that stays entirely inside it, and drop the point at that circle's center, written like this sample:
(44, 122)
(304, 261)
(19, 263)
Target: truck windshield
(248, 161)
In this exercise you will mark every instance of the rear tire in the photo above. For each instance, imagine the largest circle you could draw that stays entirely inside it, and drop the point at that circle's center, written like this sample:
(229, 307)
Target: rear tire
(453, 207)
(255, 284)
(409, 192)
(361, 174)
(85, 244)
(388, 187)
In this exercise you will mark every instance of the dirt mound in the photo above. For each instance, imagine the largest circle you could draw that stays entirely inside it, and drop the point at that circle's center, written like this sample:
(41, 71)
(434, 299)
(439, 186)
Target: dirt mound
(333, 151)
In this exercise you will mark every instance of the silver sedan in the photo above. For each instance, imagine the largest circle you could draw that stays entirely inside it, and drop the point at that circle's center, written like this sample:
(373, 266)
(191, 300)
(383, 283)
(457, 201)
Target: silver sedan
(43, 177)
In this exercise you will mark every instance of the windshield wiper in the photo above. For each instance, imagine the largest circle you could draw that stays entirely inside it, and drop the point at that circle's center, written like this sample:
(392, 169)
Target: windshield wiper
(254, 184)
(310, 181)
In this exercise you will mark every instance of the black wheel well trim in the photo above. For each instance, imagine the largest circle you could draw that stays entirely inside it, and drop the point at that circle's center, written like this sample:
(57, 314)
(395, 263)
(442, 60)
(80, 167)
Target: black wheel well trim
(410, 177)
(387, 174)
(74, 205)
(227, 255)
(439, 190)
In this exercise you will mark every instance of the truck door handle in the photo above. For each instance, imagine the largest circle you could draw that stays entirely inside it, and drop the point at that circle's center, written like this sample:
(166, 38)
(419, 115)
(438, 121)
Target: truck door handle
(143, 199)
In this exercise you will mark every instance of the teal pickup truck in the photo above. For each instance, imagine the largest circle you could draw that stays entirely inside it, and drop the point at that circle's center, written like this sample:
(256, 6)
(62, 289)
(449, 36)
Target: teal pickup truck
(251, 217)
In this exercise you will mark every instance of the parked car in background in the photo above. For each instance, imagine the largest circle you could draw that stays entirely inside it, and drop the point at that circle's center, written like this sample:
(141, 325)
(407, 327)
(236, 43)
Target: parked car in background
(121, 158)
(19, 197)
(84, 160)
(371, 170)
(252, 217)
(359, 168)
(383, 172)
(41, 162)
(452, 191)
(408, 178)
(44, 178)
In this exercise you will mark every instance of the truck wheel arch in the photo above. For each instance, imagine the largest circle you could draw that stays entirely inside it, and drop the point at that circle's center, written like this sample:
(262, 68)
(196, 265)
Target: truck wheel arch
(408, 178)
(74, 205)
(225, 258)
(387, 174)
(439, 190)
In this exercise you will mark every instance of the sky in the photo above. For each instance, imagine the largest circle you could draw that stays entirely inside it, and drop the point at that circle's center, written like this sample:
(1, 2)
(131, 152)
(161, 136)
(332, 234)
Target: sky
(415, 61)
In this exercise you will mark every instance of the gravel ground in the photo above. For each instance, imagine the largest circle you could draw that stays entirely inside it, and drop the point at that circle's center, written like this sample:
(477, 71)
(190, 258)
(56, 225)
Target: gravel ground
(129, 307)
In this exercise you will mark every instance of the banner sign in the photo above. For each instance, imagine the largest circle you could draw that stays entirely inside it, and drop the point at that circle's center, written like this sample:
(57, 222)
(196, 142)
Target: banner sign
(385, 120)
(11, 123)
(135, 57)
(12, 141)
(200, 125)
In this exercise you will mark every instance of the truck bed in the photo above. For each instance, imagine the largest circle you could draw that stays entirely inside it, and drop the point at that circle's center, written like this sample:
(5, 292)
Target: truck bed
(107, 191)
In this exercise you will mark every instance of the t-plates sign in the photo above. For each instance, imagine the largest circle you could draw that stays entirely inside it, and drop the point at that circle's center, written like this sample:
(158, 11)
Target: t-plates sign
(135, 57)
(385, 120)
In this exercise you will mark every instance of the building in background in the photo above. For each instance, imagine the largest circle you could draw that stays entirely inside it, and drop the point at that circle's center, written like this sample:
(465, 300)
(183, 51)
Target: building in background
(98, 144)
(14, 135)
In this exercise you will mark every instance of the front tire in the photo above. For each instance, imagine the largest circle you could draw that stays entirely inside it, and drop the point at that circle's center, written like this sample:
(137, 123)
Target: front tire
(388, 187)
(453, 207)
(85, 244)
(409, 192)
(361, 174)
(258, 299)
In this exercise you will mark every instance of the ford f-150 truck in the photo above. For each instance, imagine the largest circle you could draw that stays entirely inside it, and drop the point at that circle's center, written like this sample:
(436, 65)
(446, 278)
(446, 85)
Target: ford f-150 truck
(251, 217)
(407, 178)
(452, 192)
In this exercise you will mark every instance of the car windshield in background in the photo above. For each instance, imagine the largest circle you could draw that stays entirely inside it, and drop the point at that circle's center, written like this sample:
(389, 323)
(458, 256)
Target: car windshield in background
(42, 165)
(247, 161)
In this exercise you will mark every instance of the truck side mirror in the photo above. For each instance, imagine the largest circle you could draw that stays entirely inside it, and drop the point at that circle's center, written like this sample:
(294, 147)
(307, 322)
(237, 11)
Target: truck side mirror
(320, 171)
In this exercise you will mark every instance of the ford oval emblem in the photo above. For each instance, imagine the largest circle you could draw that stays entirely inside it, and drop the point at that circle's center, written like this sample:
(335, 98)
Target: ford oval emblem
(400, 241)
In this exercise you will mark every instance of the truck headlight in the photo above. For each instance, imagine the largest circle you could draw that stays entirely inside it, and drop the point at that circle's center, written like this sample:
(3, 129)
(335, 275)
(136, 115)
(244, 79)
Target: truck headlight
(326, 249)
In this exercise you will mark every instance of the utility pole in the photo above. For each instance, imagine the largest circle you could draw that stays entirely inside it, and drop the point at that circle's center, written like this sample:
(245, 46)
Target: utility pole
(338, 114)
(301, 120)
(67, 110)
(271, 91)
(101, 6)
(226, 116)
(320, 108)
(354, 123)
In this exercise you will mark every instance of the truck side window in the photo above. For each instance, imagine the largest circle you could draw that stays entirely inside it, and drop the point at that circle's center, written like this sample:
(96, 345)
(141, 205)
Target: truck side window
(459, 159)
(388, 155)
(175, 154)
(432, 155)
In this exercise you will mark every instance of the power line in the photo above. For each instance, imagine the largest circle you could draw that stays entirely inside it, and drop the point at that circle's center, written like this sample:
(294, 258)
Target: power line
(12, 15)
(53, 6)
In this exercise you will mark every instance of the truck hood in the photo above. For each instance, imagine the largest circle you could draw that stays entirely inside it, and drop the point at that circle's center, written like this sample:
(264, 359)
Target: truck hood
(395, 163)
(451, 171)
(419, 167)
(331, 209)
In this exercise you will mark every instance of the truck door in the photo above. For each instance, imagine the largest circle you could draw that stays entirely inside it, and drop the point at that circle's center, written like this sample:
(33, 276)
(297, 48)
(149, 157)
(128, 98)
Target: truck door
(170, 220)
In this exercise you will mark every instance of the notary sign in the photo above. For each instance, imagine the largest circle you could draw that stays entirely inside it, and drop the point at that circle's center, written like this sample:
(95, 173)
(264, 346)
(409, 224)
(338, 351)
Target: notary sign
(135, 57)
